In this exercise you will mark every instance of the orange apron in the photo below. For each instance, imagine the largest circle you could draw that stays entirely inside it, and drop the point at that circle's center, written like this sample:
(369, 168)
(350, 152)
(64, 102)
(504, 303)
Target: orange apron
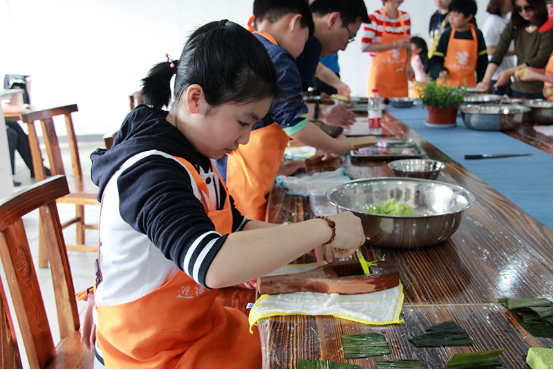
(180, 324)
(549, 72)
(388, 69)
(461, 60)
(252, 168)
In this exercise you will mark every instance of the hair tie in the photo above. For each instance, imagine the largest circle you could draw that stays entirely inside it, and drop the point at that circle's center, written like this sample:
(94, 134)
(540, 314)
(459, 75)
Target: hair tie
(223, 22)
(172, 65)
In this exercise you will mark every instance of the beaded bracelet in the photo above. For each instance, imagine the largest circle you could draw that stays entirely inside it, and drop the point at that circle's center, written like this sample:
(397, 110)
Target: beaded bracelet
(331, 224)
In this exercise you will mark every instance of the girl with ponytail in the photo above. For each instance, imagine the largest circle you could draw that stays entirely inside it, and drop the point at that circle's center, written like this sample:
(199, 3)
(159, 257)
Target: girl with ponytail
(170, 234)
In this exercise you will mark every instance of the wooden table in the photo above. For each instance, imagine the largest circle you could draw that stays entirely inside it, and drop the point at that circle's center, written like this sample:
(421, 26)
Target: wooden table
(498, 251)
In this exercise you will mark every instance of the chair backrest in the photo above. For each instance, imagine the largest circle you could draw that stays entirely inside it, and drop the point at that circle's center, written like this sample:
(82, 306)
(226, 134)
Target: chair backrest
(51, 141)
(21, 275)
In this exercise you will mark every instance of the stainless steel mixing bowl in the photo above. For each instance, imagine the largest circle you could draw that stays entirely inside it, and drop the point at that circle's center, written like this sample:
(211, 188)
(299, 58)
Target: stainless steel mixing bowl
(417, 168)
(439, 205)
(482, 99)
(493, 117)
(540, 113)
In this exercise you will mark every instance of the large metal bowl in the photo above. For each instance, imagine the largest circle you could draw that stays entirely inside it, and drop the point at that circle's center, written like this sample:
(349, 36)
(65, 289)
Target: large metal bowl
(494, 117)
(540, 113)
(439, 205)
(417, 168)
(402, 102)
(482, 99)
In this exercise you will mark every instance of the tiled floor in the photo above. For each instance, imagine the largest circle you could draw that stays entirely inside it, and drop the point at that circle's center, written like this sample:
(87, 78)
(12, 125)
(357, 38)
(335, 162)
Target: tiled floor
(81, 263)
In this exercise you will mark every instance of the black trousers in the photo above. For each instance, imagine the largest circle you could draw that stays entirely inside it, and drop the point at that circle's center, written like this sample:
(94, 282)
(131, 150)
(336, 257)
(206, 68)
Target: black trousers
(18, 140)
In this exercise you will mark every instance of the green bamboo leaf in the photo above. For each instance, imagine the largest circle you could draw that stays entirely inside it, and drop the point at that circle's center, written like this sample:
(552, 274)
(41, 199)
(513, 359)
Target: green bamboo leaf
(364, 345)
(535, 314)
(399, 364)
(476, 360)
(447, 333)
(324, 364)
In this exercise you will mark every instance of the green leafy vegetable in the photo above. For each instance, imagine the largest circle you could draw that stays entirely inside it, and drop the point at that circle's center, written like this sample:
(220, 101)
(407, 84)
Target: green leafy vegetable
(392, 208)
(399, 364)
(535, 314)
(447, 333)
(539, 358)
(364, 345)
(324, 364)
(476, 360)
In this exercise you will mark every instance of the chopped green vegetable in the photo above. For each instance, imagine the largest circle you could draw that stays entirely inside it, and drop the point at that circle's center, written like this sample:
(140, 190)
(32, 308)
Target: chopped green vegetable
(539, 358)
(324, 364)
(447, 333)
(476, 360)
(392, 208)
(399, 364)
(364, 345)
(535, 314)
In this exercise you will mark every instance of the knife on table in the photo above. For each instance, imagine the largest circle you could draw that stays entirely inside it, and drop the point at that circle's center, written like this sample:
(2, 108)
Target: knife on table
(485, 156)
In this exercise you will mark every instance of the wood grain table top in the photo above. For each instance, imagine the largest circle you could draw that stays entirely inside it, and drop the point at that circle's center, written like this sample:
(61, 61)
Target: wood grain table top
(498, 251)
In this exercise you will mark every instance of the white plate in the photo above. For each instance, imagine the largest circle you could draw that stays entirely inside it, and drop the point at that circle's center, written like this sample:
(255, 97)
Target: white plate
(439, 125)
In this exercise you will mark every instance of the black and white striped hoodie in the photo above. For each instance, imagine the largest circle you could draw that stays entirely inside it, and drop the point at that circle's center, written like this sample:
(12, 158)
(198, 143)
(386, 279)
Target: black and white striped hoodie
(152, 222)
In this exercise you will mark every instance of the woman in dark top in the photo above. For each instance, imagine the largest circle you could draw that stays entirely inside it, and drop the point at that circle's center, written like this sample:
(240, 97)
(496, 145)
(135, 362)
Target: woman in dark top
(532, 48)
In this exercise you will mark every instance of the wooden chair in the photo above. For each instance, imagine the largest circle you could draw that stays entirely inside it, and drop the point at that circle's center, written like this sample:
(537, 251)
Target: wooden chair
(134, 100)
(25, 290)
(82, 189)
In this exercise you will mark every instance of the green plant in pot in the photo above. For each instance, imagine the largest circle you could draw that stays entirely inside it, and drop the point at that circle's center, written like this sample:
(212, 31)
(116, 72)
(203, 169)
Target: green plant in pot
(442, 100)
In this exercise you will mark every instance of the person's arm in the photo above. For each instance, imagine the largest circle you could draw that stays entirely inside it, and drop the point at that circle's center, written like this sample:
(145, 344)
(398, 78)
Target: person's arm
(436, 63)
(326, 75)
(257, 252)
(482, 56)
(540, 59)
(492, 48)
(503, 45)
(399, 44)
(313, 136)
(535, 74)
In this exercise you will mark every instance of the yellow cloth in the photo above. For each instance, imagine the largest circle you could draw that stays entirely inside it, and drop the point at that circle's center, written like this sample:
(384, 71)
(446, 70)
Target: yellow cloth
(377, 308)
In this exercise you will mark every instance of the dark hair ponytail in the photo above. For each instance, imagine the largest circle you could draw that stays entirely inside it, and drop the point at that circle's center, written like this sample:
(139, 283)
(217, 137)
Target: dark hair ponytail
(225, 59)
(423, 54)
(156, 88)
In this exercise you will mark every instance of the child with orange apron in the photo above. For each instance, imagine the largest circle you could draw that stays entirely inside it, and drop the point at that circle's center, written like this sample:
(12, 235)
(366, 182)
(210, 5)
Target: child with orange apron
(170, 233)
(461, 51)
(388, 68)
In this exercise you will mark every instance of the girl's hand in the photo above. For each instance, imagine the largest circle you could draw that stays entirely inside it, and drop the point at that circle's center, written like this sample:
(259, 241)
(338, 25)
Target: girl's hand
(349, 236)
(291, 168)
(338, 115)
(443, 75)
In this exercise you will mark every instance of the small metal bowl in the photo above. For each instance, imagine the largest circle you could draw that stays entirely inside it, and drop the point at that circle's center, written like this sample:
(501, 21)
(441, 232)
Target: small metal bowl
(417, 168)
(482, 99)
(439, 206)
(402, 102)
(540, 113)
(494, 117)
(474, 91)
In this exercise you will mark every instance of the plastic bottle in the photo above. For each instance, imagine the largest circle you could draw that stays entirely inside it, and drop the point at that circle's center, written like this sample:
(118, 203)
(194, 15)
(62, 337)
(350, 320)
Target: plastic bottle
(374, 112)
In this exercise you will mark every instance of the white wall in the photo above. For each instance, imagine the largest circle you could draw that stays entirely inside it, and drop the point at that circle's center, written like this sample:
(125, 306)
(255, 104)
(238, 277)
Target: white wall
(94, 53)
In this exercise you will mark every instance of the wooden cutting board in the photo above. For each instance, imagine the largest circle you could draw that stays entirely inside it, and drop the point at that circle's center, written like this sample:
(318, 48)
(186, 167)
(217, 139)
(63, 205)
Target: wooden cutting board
(355, 142)
(340, 277)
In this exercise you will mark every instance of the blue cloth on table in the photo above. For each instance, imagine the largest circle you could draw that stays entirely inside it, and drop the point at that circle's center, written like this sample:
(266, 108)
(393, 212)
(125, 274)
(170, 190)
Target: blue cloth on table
(526, 181)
